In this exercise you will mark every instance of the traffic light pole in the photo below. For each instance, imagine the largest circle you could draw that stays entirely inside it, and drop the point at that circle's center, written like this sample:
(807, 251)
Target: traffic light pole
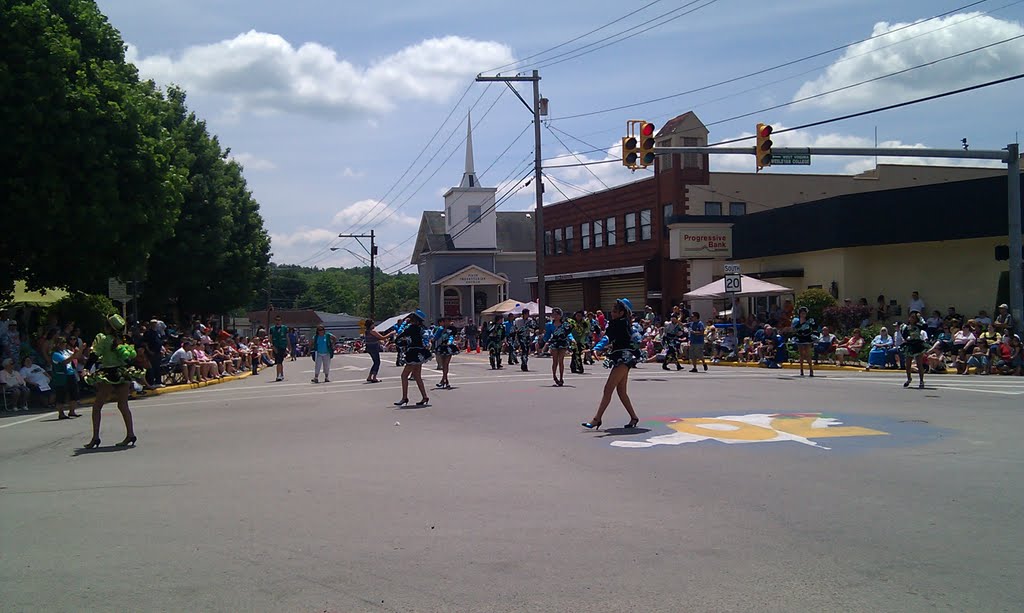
(1010, 156)
(373, 273)
(538, 185)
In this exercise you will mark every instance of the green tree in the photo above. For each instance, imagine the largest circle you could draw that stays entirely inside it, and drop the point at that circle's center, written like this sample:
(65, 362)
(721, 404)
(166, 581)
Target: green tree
(87, 163)
(218, 254)
(88, 311)
(816, 300)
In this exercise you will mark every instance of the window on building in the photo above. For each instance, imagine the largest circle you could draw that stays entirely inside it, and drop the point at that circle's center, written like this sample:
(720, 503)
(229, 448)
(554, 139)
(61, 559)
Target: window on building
(598, 234)
(585, 235)
(712, 208)
(559, 245)
(692, 160)
(665, 161)
(547, 242)
(666, 212)
(737, 208)
(568, 239)
(645, 225)
(609, 225)
(474, 213)
(630, 227)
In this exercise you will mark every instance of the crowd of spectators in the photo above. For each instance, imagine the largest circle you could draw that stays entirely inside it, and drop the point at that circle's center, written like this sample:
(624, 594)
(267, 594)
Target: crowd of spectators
(46, 367)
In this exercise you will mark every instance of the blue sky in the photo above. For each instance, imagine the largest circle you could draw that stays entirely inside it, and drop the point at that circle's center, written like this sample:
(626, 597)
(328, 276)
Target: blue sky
(326, 103)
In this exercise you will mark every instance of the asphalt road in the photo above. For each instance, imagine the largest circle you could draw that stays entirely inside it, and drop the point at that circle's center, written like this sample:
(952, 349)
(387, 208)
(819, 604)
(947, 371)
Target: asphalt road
(841, 493)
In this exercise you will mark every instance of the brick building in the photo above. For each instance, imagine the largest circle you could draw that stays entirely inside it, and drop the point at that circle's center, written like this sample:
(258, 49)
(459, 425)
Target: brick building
(614, 243)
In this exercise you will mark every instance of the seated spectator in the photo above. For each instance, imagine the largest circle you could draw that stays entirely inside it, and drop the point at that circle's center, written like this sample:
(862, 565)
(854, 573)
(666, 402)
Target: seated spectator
(935, 359)
(1011, 357)
(747, 352)
(882, 346)
(1001, 355)
(711, 337)
(978, 359)
(37, 379)
(181, 360)
(850, 348)
(726, 346)
(826, 346)
(208, 369)
(14, 386)
(983, 318)
(963, 341)
(954, 319)
(933, 324)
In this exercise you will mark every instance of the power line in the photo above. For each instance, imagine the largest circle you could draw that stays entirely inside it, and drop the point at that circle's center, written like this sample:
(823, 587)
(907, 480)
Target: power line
(866, 81)
(392, 210)
(572, 40)
(547, 62)
(594, 174)
(411, 164)
(779, 66)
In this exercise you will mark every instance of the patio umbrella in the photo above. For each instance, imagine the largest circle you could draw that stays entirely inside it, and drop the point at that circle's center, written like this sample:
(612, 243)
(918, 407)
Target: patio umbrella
(751, 287)
(507, 306)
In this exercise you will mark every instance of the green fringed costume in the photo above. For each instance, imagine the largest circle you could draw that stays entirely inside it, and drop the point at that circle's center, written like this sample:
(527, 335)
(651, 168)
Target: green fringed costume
(115, 363)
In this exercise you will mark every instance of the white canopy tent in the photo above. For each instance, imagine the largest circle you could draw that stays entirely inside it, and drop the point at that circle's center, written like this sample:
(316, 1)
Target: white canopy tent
(751, 288)
(390, 322)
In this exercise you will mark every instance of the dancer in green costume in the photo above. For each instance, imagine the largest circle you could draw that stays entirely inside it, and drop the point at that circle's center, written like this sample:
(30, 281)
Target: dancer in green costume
(112, 378)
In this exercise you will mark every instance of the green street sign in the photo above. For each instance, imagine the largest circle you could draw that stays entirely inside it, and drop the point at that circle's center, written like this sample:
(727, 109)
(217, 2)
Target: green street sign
(791, 159)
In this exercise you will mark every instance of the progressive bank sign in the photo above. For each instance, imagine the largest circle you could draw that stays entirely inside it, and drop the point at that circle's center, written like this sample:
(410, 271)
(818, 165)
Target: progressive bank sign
(700, 241)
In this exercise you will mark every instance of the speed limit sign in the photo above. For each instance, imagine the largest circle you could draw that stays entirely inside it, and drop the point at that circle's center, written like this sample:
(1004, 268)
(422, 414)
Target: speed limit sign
(733, 284)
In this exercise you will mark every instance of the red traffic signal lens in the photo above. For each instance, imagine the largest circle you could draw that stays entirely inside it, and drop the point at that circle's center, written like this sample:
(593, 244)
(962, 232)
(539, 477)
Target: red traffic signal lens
(765, 132)
(647, 129)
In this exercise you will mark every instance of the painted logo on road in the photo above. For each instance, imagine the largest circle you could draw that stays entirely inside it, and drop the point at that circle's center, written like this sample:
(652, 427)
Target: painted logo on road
(805, 428)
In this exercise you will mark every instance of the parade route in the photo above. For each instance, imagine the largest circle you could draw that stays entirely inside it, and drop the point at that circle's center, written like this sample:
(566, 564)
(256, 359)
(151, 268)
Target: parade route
(741, 490)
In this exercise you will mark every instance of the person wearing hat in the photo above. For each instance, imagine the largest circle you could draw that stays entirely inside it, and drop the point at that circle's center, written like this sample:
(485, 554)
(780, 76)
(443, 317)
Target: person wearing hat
(804, 331)
(523, 330)
(115, 358)
(445, 347)
(915, 341)
(622, 356)
(1003, 323)
(415, 356)
(493, 335)
(557, 338)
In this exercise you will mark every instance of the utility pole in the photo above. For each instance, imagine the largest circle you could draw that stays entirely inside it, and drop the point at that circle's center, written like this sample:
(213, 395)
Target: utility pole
(372, 251)
(538, 185)
(1013, 204)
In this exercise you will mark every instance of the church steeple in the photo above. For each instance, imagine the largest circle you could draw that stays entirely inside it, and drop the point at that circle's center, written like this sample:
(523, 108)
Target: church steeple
(469, 177)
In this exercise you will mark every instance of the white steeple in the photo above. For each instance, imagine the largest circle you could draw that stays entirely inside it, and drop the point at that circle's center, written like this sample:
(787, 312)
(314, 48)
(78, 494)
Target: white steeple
(469, 177)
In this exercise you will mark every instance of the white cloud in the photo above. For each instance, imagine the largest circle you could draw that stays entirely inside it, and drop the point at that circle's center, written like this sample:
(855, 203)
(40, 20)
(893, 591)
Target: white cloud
(852, 165)
(371, 211)
(253, 162)
(920, 43)
(302, 237)
(352, 174)
(263, 72)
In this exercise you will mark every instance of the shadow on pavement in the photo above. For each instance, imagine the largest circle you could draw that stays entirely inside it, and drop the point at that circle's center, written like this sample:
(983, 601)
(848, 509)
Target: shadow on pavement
(108, 449)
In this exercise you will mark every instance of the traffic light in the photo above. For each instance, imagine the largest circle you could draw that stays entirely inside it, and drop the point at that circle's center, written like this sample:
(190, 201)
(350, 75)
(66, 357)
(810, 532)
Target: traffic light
(630, 153)
(646, 144)
(763, 150)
